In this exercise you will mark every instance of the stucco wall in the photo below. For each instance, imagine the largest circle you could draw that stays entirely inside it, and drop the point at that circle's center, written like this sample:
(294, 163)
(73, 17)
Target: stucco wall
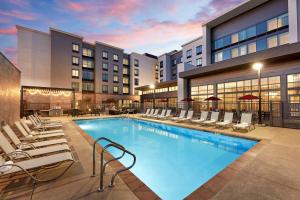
(9, 91)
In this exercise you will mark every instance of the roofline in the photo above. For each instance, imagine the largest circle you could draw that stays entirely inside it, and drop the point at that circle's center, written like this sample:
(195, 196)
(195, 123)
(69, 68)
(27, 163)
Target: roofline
(18, 27)
(2, 54)
(108, 45)
(67, 33)
(191, 41)
(234, 12)
(158, 85)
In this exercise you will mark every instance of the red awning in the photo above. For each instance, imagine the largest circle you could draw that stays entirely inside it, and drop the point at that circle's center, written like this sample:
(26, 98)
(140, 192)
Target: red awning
(248, 97)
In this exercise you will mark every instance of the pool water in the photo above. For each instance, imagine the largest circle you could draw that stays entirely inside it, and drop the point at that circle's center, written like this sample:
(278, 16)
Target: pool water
(172, 161)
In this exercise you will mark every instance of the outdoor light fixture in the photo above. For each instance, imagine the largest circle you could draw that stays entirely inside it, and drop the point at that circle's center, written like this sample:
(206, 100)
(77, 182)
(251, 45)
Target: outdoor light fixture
(152, 86)
(258, 66)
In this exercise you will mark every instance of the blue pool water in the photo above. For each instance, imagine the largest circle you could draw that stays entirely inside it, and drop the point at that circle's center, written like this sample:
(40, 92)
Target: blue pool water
(172, 161)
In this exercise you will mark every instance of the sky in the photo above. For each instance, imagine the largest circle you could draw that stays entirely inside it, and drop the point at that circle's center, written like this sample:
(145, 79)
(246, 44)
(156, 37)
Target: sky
(152, 26)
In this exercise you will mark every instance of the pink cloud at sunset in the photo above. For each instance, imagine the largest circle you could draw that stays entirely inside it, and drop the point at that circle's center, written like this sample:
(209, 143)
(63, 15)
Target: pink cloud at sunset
(18, 14)
(8, 31)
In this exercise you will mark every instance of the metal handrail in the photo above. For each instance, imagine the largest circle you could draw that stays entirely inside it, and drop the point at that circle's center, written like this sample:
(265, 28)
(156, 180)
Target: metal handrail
(94, 152)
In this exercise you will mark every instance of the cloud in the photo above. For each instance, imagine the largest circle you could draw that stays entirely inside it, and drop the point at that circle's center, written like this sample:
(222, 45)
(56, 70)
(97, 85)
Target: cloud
(19, 3)
(8, 31)
(19, 15)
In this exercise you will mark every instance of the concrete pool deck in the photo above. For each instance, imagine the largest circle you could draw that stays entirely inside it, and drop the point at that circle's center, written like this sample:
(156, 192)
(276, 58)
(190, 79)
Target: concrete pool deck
(270, 171)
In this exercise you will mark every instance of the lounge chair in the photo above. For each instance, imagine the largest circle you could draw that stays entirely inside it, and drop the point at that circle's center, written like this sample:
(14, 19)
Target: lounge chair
(154, 114)
(146, 113)
(228, 117)
(189, 116)
(213, 119)
(33, 132)
(40, 126)
(245, 123)
(13, 153)
(31, 136)
(28, 145)
(9, 168)
(181, 116)
(167, 115)
(203, 117)
(162, 114)
(150, 113)
(45, 121)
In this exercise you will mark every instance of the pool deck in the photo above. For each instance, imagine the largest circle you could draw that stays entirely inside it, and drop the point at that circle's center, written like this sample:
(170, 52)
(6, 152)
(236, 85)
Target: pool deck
(268, 171)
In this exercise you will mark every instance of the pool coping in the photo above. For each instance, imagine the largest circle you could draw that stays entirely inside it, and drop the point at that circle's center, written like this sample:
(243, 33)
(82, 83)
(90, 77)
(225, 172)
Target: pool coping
(205, 191)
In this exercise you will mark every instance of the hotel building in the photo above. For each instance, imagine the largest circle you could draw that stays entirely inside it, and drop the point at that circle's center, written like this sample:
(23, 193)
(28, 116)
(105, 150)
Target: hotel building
(97, 72)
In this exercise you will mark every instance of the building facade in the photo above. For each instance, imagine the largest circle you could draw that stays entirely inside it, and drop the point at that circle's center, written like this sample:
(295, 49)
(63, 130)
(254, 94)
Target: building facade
(168, 65)
(96, 71)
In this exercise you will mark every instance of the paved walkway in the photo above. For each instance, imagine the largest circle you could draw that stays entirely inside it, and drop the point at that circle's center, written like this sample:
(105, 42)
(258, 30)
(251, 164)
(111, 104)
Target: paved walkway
(274, 173)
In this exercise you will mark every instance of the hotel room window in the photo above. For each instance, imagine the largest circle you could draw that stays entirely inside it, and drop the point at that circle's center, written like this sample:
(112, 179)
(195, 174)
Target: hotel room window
(88, 64)
(125, 61)
(156, 75)
(261, 44)
(136, 62)
(283, 20)
(272, 24)
(75, 86)
(161, 73)
(234, 38)
(272, 41)
(252, 47)
(125, 71)
(174, 62)
(219, 44)
(116, 79)
(87, 52)
(242, 50)
(104, 55)
(199, 50)
(136, 81)
(125, 90)
(75, 60)
(189, 53)
(234, 52)
(105, 66)
(226, 40)
(75, 47)
(104, 88)
(251, 32)
(116, 57)
(283, 38)
(242, 35)
(87, 75)
(75, 73)
(261, 28)
(105, 77)
(136, 72)
(87, 86)
(156, 67)
(161, 64)
(125, 80)
(190, 62)
(199, 62)
(226, 54)
(116, 68)
(116, 89)
(218, 56)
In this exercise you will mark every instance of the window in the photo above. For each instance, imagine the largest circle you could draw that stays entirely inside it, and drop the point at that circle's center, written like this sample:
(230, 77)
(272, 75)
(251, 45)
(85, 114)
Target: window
(156, 67)
(156, 75)
(283, 38)
(87, 52)
(226, 54)
(243, 50)
(272, 24)
(105, 66)
(125, 90)
(199, 50)
(75, 73)
(115, 57)
(293, 80)
(251, 32)
(218, 56)
(226, 40)
(283, 20)
(161, 73)
(116, 89)
(234, 52)
(87, 64)
(136, 72)
(125, 61)
(125, 71)
(174, 62)
(116, 68)
(87, 86)
(87, 75)
(234, 38)
(136, 62)
(136, 81)
(104, 55)
(242, 35)
(116, 78)
(261, 28)
(199, 62)
(219, 44)
(75, 60)
(75, 86)
(252, 47)
(190, 63)
(125, 80)
(105, 77)
(272, 41)
(189, 53)
(75, 47)
(104, 88)
(261, 44)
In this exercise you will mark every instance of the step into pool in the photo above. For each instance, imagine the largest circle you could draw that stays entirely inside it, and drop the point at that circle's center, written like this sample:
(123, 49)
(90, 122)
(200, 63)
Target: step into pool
(171, 160)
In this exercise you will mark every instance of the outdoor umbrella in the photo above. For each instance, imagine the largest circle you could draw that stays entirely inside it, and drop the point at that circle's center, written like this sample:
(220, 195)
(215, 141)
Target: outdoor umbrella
(212, 98)
(187, 99)
(248, 97)
(164, 100)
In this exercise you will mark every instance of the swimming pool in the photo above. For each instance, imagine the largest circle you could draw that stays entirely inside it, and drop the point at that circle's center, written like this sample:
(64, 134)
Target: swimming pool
(172, 161)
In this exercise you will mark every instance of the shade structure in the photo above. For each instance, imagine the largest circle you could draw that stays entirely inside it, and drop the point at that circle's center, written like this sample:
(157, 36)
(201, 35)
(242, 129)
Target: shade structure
(110, 100)
(136, 101)
(187, 99)
(248, 97)
(212, 98)
(164, 100)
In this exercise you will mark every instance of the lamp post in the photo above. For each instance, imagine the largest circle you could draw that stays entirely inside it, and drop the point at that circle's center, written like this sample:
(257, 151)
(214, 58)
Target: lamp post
(152, 87)
(258, 67)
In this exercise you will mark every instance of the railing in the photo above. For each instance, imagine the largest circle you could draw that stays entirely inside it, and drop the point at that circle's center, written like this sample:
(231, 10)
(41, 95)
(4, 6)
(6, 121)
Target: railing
(103, 165)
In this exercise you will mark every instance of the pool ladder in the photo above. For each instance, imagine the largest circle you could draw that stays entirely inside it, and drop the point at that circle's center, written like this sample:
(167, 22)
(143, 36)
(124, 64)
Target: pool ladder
(103, 165)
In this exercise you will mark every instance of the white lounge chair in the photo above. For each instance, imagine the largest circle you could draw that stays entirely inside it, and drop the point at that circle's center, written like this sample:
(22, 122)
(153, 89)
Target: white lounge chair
(45, 121)
(181, 116)
(213, 119)
(162, 114)
(13, 153)
(228, 117)
(167, 115)
(189, 116)
(34, 132)
(30, 136)
(150, 113)
(203, 117)
(154, 114)
(146, 113)
(40, 126)
(245, 123)
(29, 145)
